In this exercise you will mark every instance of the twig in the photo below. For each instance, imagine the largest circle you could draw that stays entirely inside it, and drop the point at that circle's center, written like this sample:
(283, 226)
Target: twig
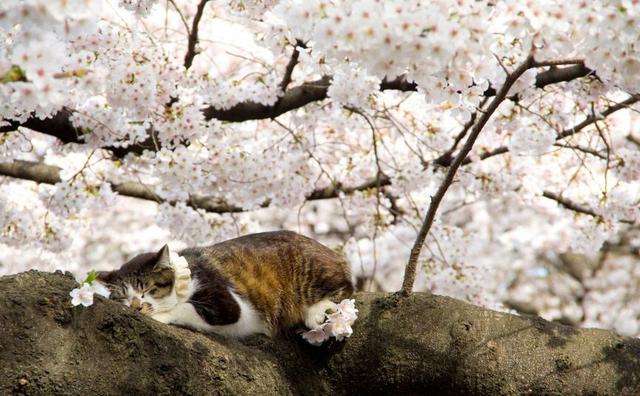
(446, 157)
(608, 147)
(286, 80)
(586, 150)
(182, 18)
(568, 204)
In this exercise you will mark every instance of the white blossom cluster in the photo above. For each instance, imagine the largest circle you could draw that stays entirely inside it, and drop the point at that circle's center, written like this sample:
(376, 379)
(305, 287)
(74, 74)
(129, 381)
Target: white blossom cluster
(118, 68)
(337, 324)
(141, 8)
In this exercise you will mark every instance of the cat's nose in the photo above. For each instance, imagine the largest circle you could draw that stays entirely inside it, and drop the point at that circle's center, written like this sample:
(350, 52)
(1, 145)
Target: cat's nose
(136, 303)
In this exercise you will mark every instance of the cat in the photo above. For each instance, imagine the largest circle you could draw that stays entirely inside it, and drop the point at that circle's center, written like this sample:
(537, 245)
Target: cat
(259, 283)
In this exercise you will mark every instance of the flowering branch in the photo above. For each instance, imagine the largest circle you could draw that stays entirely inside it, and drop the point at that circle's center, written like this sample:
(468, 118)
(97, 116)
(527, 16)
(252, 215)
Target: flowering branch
(571, 130)
(568, 204)
(50, 174)
(410, 272)
(60, 124)
(62, 127)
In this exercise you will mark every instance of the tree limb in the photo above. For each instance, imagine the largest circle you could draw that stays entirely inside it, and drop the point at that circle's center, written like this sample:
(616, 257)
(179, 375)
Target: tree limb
(423, 344)
(555, 75)
(568, 204)
(60, 126)
(193, 35)
(286, 80)
(571, 130)
(50, 174)
(410, 271)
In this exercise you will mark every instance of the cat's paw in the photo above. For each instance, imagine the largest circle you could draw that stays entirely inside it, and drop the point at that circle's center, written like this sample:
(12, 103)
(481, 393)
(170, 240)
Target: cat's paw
(317, 313)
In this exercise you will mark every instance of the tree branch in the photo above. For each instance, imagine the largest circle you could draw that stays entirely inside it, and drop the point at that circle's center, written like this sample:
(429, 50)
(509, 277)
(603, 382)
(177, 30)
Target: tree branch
(410, 271)
(193, 35)
(60, 126)
(446, 158)
(420, 345)
(633, 140)
(572, 130)
(562, 74)
(568, 204)
(294, 98)
(286, 80)
(586, 150)
(50, 174)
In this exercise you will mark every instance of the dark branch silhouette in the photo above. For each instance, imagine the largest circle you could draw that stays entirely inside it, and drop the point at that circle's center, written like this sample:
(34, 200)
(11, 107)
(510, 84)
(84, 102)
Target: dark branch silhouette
(60, 126)
(193, 35)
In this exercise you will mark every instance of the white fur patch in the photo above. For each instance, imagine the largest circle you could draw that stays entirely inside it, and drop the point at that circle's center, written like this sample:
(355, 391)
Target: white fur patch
(185, 314)
(250, 321)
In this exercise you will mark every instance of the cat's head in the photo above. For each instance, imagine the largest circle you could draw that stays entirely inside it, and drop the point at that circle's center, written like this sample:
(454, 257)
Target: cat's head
(146, 282)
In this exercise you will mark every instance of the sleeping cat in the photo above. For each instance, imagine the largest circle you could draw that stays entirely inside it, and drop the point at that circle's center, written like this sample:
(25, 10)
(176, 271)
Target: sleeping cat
(258, 283)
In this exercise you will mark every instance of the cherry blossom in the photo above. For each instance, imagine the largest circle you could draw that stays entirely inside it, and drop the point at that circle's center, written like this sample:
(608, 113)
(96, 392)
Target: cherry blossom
(337, 324)
(84, 294)
(145, 149)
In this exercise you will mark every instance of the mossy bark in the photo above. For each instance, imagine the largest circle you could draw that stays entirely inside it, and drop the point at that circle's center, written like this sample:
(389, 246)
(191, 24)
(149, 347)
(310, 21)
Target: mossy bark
(422, 344)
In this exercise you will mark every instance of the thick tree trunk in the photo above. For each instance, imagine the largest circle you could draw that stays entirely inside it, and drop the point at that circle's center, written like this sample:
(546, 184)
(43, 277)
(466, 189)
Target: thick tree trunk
(417, 345)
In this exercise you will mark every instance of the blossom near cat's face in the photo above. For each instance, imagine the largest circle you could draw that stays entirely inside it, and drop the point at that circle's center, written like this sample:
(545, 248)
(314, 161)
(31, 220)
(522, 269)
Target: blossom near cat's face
(145, 283)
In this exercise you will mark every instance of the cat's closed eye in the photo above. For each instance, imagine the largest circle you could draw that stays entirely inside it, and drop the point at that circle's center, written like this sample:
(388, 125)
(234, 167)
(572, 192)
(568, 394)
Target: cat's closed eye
(159, 289)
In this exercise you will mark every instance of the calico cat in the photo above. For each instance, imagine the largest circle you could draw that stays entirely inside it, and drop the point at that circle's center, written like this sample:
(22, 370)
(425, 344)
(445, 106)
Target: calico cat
(258, 283)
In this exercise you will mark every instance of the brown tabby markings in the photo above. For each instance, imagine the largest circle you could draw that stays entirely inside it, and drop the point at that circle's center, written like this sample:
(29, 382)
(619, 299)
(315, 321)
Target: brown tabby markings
(281, 273)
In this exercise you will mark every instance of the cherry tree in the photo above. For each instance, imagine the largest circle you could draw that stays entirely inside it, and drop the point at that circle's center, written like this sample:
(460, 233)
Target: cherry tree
(462, 147)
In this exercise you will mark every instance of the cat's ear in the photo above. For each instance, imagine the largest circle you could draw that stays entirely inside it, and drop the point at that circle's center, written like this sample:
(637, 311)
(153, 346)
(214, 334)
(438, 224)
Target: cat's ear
(164, 259)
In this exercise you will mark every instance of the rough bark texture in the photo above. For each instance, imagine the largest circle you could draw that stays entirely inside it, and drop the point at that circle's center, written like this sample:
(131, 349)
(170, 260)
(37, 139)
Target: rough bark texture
(422, 344)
